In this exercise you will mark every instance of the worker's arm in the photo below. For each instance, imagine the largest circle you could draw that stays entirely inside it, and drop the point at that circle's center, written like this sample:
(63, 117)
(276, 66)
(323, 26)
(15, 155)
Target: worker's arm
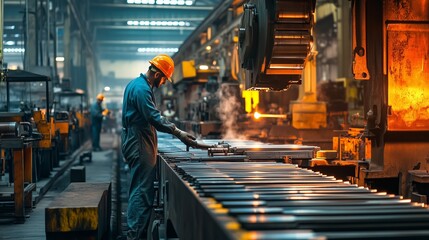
(147, 107)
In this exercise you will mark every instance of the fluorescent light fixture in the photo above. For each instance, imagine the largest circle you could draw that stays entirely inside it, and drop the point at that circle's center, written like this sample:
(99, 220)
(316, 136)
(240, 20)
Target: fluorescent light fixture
(9, 43)
(204, 67)
(158, 23)
(14, 50)
(59, 59)
(106, 88)
(162, 2)
(157, 50)
(13, 67)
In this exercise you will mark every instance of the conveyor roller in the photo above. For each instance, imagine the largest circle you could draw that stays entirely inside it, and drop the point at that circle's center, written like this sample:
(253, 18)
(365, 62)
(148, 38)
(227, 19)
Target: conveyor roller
(9, 129)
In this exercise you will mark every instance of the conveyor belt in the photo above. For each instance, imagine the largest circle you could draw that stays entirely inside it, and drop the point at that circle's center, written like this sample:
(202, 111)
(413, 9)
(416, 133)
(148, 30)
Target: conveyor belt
(269, 200)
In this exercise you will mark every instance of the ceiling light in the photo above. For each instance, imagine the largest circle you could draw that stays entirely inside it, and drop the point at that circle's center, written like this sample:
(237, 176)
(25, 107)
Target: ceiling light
(161, 2)
(59, 59)
(14, 50)
(157, 50)
(204, 67)
(13, 67)
(9, 43)
(158, 23)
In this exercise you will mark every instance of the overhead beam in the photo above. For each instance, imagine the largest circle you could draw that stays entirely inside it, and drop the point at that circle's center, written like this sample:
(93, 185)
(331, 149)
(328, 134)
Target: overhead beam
(124, 56)
(14, 2)
(149, 35)
(136, 42)
(125, 14)
(221, 8)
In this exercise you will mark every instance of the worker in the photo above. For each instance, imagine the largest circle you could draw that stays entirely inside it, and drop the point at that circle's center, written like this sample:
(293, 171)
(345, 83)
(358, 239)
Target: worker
(140, 121)
(97, 114)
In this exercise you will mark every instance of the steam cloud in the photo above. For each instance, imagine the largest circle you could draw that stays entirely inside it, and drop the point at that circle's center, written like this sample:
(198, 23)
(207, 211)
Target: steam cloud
(229, 109)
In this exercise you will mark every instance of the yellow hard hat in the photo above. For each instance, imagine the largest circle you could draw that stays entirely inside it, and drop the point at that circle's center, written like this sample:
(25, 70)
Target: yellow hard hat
(165, 64)
(100, 96)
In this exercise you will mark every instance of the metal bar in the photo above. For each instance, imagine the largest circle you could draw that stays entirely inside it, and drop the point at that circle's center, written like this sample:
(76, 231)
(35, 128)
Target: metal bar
(266, 200)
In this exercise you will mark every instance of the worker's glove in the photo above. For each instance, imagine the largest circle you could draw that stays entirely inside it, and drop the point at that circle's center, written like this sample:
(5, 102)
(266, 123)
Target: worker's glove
(105, 112)
(185, 137)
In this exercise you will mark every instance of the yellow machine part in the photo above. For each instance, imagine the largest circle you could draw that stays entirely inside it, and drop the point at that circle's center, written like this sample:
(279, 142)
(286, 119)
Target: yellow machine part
(37, 116)
(53, 128)
(352, 148)
(308, 115)
(81, 119)
(251, 100)
(188, 69)
(63, 127)
(44, 128)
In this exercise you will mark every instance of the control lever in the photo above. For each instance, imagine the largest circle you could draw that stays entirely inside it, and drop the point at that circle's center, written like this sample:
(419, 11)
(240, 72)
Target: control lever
(200, 146)
(223, 148)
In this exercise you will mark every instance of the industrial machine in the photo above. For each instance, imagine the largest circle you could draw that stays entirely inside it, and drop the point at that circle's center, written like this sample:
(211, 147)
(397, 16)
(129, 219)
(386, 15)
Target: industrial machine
(30, 93)
(75, 103)
(17, 141)
(26, 139)
(242, 189)
(270, 38)
(275, 40)
(390, 56)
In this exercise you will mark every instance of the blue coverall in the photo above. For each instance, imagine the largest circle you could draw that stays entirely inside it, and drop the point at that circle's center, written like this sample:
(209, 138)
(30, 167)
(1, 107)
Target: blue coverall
(96, 123)
(140, 120)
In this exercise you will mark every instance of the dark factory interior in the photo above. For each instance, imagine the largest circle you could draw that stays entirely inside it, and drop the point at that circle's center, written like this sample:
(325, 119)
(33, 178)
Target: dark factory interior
(214, 119)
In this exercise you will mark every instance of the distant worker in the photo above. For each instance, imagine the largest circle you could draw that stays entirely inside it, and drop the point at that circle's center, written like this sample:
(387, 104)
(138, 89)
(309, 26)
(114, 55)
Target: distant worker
(97, 114)
(140, 121)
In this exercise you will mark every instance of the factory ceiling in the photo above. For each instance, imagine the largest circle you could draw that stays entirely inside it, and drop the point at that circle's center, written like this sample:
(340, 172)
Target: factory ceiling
(115, 29)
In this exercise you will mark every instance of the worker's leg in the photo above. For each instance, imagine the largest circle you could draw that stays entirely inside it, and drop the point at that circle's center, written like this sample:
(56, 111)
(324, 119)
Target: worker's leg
(141, 194)
(94, 136)
(98, 134)
(96, 129)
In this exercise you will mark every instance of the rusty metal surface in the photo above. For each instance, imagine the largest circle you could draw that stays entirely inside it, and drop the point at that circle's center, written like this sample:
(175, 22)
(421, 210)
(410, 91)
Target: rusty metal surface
(81, 207)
